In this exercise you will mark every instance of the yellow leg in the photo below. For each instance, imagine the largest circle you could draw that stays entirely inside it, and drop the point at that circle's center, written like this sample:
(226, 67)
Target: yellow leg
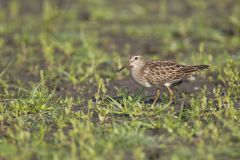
(156, 98)
(170, 92)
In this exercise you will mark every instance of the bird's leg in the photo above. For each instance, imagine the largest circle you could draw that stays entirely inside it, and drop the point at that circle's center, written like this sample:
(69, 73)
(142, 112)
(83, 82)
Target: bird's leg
(170, 92)
(139, 93)
(156, 98)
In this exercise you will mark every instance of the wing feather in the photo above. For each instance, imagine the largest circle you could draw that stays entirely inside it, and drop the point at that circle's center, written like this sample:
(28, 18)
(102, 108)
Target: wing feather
(160, 72)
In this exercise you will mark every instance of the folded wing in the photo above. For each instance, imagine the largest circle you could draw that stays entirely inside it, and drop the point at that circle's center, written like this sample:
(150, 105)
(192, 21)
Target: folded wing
(160, 72)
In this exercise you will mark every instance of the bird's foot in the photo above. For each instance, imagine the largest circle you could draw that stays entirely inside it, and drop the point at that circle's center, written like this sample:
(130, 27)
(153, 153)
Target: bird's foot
(151, 101)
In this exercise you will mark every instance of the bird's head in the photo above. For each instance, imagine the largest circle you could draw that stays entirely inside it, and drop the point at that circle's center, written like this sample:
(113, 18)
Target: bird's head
(135, 61)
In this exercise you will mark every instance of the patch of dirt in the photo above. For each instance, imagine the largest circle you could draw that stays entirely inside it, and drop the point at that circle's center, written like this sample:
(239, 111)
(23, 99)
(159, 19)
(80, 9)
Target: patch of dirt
(186, 86)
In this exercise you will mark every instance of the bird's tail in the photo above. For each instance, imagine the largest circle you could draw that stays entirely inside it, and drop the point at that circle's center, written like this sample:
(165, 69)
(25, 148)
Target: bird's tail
(189, 70)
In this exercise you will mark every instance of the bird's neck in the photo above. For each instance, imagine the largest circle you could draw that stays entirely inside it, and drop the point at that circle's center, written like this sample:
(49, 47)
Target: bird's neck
(136, 72)
(138, 67)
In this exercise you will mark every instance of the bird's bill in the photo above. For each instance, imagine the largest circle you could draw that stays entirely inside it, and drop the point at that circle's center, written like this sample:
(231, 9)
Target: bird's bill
(123, 67)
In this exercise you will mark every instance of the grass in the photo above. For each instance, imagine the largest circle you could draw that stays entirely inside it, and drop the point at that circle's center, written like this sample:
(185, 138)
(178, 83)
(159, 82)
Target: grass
(61, 98)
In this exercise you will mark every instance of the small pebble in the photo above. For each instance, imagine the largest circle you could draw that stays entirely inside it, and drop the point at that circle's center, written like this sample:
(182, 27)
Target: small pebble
(196, 88)
(192, 78)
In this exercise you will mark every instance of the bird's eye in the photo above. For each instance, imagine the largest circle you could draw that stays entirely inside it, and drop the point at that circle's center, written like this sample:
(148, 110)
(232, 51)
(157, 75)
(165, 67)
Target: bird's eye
(136, 58)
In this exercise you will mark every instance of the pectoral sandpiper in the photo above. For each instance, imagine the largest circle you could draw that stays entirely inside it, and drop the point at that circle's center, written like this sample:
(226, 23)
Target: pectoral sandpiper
(157, 73)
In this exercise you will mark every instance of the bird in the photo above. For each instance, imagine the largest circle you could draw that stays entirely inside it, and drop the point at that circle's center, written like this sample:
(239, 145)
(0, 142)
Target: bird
(159, 73)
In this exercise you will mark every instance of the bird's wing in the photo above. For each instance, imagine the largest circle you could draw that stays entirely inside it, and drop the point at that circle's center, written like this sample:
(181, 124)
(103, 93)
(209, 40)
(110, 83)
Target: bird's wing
(160, 72)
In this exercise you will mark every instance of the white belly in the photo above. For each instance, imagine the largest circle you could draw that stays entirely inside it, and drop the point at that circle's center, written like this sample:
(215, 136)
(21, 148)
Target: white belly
(136, 77)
